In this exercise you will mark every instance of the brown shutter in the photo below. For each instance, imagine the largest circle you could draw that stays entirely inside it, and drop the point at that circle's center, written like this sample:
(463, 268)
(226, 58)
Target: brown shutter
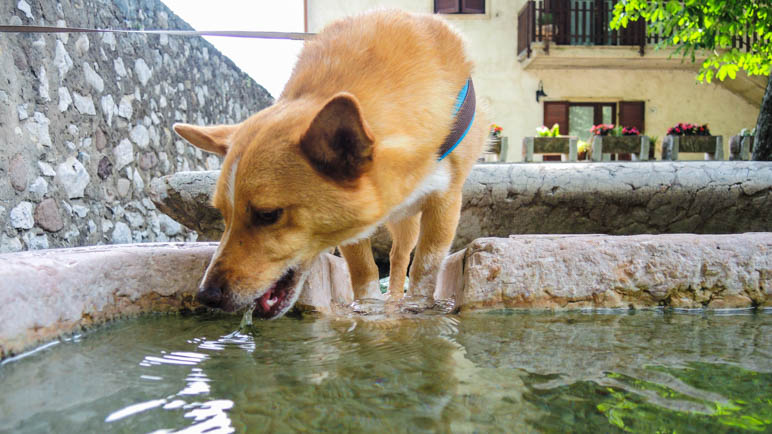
(561, 18)
(631, 114)
(447, 6)
(556, 112)
(473, 6)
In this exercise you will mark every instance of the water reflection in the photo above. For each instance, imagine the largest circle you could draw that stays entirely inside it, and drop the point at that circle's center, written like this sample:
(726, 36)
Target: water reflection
(497, 371)
(210, 416)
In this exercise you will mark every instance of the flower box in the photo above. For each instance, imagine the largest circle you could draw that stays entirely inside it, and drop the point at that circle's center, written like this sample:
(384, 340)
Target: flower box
(549, 145)
(608, 145)
(712, 146)
(495, 150)
(740, 147)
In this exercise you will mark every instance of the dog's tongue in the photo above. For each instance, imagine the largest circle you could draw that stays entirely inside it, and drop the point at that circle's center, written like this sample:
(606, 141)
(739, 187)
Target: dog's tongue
(267, 300)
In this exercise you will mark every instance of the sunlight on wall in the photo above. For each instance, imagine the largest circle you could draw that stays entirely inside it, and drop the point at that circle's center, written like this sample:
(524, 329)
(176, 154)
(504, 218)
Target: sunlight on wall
(269, 62)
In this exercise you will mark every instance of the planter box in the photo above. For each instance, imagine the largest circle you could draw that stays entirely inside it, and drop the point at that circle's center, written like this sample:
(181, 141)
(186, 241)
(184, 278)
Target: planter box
(496, 149)
(711, 145)
(607, 145)
(549, 145)
(740, 147)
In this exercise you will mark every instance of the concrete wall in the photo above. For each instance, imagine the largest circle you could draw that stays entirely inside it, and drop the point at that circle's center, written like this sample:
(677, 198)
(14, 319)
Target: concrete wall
(671, 95)
(85, 120)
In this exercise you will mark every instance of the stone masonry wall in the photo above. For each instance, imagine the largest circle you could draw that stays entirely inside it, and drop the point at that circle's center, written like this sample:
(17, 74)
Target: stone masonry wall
(85, 120)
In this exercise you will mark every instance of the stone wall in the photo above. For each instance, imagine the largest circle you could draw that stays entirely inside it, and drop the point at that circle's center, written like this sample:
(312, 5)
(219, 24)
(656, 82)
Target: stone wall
(557, 198)
(85, 120)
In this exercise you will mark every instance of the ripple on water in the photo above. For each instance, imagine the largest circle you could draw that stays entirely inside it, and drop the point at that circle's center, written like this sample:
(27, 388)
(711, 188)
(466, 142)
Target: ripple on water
(379, 372)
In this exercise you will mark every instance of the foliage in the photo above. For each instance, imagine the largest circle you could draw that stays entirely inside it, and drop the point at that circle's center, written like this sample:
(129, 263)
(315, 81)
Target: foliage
(603, 129)
(747, 133)
(628, 404)
(709, 27)
(548, 132)
(614, 130)
(495, 130)
(687, 129)
(545, 18)
(630, 131)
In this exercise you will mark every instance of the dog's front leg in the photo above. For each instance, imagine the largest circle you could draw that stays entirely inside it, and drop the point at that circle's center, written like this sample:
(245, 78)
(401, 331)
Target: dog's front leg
(361, 266)
(438, 228)
(404, 234)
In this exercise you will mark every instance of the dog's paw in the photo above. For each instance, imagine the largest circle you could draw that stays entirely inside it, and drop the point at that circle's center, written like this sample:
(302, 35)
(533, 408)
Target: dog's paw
(415, 303)
(368, 306)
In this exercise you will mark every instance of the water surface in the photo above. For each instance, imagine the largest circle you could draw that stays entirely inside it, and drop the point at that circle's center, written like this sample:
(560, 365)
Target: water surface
(498, 371)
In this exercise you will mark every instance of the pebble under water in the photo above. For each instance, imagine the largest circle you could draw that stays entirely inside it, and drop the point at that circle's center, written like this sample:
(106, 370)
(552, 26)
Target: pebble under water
(497, 371)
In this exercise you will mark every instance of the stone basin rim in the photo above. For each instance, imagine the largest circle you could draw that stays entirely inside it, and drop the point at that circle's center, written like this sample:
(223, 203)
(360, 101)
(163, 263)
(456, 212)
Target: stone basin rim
(75, 288)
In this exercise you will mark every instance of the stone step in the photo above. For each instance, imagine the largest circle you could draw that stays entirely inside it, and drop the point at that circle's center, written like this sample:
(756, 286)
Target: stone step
(45, 294)
(557, 198)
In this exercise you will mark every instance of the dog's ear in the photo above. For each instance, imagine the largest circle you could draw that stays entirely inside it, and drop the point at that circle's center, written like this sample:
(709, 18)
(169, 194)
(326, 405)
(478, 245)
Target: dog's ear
(214, 139)
(338, 142)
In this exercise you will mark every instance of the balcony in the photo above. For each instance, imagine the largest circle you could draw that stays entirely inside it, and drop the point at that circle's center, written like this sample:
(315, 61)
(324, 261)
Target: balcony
(574, 23)
(566, 34)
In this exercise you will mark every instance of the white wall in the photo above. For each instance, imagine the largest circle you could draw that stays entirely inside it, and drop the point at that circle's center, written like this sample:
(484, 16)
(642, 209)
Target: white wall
(508, 90)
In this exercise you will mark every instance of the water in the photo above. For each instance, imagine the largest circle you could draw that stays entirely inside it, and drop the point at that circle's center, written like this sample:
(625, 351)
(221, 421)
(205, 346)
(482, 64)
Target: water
(486, 372)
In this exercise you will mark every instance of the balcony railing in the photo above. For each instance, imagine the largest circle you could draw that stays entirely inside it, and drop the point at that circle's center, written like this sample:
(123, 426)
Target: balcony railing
(570, 22)
(574, 23)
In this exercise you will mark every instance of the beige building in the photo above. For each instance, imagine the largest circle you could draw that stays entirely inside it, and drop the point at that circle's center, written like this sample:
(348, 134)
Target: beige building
(588, 73)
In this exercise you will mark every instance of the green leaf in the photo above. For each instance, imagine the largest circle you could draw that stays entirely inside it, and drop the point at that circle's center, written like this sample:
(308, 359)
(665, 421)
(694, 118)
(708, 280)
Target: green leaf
(673, 7)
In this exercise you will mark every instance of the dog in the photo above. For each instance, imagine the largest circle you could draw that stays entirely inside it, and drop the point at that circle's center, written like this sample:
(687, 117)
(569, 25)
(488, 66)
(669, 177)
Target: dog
(378, 125)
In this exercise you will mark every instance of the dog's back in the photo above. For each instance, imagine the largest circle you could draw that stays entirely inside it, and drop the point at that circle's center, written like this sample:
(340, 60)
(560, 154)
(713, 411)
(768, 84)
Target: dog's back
(405, 69)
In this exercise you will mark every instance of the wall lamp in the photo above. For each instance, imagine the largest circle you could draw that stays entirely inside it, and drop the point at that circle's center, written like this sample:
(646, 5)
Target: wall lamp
(540, 91)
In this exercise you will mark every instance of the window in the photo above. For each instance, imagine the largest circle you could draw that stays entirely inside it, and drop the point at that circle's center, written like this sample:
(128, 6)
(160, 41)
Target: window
(576, 118)
(459, 6)
(582, 116)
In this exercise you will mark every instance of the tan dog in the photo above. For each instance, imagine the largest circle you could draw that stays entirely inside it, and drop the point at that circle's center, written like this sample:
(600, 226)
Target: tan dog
(353, 142)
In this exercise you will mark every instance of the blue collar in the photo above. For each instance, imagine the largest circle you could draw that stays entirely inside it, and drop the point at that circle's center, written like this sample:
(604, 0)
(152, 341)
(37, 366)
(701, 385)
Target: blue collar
(463, 112)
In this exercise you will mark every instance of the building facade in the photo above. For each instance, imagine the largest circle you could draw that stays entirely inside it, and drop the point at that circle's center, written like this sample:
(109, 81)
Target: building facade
(588, 73)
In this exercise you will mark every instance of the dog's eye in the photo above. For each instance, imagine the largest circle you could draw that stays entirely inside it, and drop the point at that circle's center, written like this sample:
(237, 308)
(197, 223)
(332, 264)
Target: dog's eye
(265, 217)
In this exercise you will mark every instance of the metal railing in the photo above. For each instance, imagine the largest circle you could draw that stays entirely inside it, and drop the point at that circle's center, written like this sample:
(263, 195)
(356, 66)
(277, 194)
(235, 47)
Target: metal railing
(574, 23)
(587, 23)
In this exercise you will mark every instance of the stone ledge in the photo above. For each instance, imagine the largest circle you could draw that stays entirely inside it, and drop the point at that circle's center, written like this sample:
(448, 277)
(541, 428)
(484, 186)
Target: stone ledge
(45, 294)
(566, 198)
(597, 271)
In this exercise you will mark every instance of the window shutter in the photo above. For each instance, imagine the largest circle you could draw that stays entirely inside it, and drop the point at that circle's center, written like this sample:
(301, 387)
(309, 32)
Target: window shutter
(631, 114)
(447, 6)
(473, 6)
(561, 16)
(556, 112)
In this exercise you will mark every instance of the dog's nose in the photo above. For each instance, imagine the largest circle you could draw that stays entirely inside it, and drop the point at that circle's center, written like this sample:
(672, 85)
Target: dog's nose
(210, 296)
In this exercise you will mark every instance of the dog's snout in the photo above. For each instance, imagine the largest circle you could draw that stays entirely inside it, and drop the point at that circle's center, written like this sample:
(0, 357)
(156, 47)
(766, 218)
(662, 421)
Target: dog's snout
(211, 296)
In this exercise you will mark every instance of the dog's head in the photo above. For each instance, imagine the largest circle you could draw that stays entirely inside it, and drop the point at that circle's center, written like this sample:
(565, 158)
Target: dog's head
(295, 181)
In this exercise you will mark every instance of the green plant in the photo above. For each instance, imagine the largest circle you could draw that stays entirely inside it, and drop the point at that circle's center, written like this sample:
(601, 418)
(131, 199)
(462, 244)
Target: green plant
(584, 149)
(543, 131)
(687, 129)
(545, 18)
(748, 133)
(602, 129)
